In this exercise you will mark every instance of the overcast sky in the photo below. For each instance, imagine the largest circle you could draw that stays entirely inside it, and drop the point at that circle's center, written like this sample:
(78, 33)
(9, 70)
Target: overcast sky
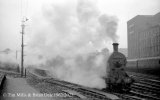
(11, 12)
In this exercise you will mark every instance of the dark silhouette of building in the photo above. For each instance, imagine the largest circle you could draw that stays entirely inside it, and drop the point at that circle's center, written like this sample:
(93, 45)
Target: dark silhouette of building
(144, 36)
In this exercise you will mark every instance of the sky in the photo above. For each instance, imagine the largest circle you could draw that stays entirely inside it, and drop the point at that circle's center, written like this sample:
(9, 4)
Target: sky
(12, 11)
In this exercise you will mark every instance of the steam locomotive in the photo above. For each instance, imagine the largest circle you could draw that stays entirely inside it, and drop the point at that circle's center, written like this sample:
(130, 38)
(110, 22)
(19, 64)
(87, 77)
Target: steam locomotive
(117, 78)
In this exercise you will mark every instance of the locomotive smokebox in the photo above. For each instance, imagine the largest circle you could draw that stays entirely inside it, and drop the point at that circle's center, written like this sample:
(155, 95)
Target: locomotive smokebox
(115, 47)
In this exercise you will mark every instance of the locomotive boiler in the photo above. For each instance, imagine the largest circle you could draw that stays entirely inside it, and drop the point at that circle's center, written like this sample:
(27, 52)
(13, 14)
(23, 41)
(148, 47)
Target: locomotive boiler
(117, 78)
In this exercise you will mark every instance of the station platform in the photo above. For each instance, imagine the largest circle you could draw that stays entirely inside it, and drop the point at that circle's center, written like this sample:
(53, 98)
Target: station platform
(18, 89)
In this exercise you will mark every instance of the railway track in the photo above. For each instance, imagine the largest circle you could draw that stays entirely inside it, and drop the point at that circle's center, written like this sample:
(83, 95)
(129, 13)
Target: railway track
(88, 93)
(146, 86)
(10, 73)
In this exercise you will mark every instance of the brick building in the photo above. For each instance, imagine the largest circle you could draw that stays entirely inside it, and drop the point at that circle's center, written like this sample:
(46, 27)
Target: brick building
(144, 36)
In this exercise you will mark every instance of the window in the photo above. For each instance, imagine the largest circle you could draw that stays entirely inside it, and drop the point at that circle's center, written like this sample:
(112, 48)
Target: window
(159, 49)
(156, 50)
(157, 32)
(156, 39)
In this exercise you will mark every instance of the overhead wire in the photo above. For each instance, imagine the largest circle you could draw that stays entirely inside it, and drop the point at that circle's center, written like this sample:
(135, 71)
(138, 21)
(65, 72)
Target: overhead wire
(24, 6)
(20, 8)
(26, 10)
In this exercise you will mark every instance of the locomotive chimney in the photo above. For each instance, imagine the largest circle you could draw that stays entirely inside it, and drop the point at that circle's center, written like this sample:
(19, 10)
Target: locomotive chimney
(115, 47)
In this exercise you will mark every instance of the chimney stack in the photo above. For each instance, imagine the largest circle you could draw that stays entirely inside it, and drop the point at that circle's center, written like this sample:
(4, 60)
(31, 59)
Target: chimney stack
(115, 47)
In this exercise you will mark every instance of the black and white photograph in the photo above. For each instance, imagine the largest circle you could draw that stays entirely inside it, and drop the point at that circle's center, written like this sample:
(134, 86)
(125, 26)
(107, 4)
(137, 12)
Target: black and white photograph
(79, 49)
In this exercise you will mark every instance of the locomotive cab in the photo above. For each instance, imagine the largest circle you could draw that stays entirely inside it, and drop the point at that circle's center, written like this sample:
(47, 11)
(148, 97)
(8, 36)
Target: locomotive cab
(117, 78)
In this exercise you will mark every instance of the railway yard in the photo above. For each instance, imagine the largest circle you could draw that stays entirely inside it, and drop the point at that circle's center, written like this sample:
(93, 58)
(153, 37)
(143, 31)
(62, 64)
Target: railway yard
(146, 87)
(80, 50)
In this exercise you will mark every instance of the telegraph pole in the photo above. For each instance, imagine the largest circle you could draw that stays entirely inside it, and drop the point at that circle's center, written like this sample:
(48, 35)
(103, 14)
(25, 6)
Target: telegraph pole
(22, 45)
(22, 50)
(24, 8)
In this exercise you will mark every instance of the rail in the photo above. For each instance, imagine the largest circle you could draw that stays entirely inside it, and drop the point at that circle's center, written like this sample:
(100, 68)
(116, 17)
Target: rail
(81, 90)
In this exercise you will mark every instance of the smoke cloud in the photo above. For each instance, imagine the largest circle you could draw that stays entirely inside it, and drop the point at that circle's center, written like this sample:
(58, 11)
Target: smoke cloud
(8, 55)
(69, 39)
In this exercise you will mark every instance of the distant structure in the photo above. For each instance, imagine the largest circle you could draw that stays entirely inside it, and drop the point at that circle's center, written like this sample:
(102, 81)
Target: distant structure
(144, 36)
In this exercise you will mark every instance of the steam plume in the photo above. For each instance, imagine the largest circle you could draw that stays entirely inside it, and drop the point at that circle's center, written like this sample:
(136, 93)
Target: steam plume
(67, 38)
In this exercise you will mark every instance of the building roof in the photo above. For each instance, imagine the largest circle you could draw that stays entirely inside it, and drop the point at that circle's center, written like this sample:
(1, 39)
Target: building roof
(144, 16)
(140, 16)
